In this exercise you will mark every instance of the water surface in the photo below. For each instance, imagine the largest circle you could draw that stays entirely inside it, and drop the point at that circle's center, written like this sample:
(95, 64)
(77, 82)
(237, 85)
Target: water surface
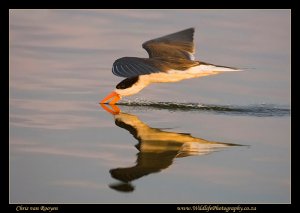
(218, 139)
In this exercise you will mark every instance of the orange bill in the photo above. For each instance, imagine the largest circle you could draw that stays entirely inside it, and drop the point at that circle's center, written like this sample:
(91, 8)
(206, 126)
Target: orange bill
(114, 96)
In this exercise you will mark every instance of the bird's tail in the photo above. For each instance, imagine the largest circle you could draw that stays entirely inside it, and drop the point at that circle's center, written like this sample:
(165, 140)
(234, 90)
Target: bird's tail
(218, 68)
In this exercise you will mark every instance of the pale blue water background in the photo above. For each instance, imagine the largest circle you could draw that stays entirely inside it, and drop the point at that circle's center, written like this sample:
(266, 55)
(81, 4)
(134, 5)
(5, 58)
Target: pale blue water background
(63, 144)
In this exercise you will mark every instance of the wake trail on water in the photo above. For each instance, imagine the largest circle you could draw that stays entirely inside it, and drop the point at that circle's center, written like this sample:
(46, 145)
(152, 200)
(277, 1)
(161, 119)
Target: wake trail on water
(259, 110)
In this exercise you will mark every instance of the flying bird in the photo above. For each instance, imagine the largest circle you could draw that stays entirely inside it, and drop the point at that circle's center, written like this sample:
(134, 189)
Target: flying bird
(170, 59)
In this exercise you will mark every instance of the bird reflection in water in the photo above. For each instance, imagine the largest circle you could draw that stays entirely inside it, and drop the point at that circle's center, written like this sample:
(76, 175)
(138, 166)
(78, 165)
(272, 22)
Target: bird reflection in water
(157, 148)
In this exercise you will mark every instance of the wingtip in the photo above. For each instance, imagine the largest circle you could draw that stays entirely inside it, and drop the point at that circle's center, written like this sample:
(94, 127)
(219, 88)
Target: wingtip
(190, 28)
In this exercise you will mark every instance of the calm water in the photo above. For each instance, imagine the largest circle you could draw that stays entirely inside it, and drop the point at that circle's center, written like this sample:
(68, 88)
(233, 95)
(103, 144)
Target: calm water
(218, 139)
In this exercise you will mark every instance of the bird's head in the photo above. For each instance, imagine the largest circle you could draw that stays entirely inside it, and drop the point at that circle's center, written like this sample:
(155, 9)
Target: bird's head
(127, 87)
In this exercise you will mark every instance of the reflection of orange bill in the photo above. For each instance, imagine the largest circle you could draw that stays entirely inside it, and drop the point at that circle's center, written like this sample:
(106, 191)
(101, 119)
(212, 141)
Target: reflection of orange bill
(114, 109)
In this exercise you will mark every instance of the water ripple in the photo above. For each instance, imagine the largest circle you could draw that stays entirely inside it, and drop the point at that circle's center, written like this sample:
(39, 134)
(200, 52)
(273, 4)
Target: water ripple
(258, 110)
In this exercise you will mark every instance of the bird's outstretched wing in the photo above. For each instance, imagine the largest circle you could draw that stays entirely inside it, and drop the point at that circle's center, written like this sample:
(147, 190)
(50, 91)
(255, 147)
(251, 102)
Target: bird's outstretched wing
(131, 67)
(175, 45)
(172, 51)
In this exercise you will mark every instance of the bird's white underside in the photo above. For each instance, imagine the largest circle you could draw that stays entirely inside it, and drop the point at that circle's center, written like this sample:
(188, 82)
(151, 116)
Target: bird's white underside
(173, 76)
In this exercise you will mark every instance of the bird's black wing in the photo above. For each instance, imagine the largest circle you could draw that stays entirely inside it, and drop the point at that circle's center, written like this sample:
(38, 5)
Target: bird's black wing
(176, 45)
(131, 67)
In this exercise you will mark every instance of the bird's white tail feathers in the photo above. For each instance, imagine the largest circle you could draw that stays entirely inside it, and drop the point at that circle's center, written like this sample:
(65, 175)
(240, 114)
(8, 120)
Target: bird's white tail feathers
(193, 72)
(198, 71)
(217, 68)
